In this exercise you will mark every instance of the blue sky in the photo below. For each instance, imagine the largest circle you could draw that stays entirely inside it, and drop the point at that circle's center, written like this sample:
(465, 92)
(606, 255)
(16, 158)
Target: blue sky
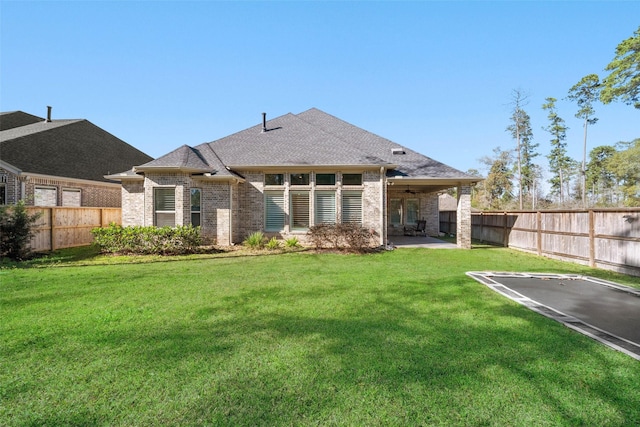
(436, 77)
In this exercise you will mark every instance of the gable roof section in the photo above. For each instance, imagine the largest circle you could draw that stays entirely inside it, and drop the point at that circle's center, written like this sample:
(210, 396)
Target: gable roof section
(410, 164)
(289, 141)
(14, 119)
(310, 139)
(67, 148)
(184, 158)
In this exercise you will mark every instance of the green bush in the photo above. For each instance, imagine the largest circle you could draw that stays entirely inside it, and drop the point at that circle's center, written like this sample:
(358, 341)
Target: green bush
(15, 231)
(148, 240)
(292, 242)
(255, 240)
(342, 236)
(273, 243)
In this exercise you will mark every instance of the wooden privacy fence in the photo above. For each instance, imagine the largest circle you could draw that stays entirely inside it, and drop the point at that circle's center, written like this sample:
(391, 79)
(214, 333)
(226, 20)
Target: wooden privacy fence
(603, 238)
(65, 227)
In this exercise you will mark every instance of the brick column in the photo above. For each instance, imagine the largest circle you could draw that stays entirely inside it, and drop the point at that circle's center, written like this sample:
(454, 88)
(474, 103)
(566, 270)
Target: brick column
(463, 228)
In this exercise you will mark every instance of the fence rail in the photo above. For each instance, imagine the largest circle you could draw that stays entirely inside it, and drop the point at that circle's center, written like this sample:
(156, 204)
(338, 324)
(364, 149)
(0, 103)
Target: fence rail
(603, 238)
(65, 227)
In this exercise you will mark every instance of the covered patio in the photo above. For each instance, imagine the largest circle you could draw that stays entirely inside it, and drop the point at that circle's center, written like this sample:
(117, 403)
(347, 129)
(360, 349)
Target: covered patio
(425, 190)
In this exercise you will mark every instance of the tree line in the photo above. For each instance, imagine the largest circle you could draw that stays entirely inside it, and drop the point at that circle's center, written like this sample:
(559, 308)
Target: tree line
(608, 175)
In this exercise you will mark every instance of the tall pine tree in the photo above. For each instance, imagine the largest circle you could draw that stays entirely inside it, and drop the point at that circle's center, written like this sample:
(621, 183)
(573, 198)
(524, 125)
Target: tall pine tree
(559, 162)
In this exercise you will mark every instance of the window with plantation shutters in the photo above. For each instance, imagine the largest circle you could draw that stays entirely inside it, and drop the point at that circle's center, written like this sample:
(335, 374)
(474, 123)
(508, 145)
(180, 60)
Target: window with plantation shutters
(352, 207)
(325, 207)
(164, 200)
(299, 210)
(274, 211)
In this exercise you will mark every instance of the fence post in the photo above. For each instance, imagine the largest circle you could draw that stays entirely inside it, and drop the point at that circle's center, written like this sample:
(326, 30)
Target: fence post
(52, 220)
(592, 240)
(505, 235)
(539, 231)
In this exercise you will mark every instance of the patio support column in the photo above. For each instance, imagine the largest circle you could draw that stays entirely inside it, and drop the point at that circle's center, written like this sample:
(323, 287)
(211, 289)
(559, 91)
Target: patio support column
(463, 226)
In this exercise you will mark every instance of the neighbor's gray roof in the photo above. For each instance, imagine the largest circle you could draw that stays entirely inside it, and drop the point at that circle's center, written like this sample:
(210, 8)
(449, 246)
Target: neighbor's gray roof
(67, 148)
(14, 119)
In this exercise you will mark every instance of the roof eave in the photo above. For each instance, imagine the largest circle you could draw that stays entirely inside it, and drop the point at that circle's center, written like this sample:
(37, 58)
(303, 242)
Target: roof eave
(173, 169)
(417, 180)
(124, 177)
(217, 178)
(311, 167)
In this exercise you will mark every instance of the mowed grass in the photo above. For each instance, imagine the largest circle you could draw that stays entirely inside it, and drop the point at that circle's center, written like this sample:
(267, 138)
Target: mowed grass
(395, 338)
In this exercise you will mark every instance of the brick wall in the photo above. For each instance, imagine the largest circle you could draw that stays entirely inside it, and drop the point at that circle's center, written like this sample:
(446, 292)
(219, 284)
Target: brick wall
(463, 235)
(133, 203)
(105, 195)
(428, 210)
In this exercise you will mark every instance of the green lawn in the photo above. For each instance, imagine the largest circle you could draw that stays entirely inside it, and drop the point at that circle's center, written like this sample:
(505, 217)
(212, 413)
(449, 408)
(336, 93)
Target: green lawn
(396, 338)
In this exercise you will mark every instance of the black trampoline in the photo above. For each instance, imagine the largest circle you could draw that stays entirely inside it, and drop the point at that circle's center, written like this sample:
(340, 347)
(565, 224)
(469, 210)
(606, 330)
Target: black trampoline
(602, 310)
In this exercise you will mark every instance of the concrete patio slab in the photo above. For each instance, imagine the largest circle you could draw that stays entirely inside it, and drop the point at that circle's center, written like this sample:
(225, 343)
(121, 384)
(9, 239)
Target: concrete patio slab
(420, 242)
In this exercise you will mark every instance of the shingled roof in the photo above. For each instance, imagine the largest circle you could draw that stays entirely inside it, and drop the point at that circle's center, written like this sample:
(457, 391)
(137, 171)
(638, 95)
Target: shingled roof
(311, 138)
(66, 148)
(14, 119)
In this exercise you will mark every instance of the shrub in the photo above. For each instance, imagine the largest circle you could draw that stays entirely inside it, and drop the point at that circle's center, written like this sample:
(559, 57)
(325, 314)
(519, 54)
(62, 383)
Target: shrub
(255, 240)
(148, 240)
(292, 242)
(341, 236)
(15, 231)
(273, 243)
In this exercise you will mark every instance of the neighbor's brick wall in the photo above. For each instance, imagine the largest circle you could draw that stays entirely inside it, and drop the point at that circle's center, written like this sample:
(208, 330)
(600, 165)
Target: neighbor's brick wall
(12, 186)
(92, 195)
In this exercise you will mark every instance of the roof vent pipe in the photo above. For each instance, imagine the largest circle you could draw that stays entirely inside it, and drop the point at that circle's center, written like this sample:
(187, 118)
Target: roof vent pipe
(48, 114)
(264, 122)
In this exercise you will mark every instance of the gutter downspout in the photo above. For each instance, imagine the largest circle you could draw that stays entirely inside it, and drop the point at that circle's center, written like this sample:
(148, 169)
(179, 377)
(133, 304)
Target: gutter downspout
(383, 200)
(231, 184)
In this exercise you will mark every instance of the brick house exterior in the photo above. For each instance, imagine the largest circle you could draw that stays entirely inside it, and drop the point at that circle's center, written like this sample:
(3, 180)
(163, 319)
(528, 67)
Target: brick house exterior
(60, 162)
(287, 174)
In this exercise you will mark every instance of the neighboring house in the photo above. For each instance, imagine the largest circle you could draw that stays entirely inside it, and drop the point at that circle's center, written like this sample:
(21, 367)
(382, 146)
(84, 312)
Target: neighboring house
(289, 173)
(60, 162)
